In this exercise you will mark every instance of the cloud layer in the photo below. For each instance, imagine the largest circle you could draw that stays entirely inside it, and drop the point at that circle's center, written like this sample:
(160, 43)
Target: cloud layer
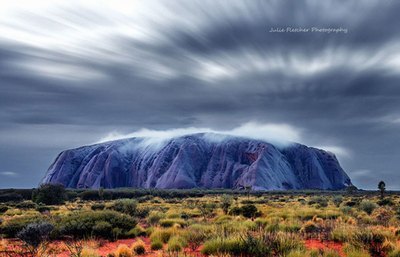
(71, 72)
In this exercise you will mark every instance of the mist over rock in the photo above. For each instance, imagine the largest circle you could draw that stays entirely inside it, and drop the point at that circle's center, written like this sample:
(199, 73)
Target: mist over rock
(203, 160)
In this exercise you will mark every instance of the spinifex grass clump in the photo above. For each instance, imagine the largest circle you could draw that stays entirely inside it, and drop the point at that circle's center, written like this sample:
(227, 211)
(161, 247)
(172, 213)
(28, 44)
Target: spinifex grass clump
(254, 244)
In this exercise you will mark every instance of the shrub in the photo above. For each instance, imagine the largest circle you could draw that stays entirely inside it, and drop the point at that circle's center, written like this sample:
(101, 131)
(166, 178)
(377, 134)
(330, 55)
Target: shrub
(352, 251)
(319, 201)
(309, 227)
(367, 206)
(98, 206)
(43, 208)
(139, 247)
(219, 246)
(250, 211)
(102, 229)
(123, 251)
(342, 234)
(382, 215)
(235, 211)
(26, 205)
(136, 231)
(35, 233)
(166, 223)
(127, 206)
(226, 202)
(88, 252)
(3, 208)
(50, 194)
(162, 235)
(11, 227)
(154, 217)
(194, 237)
(175, 244)
(10, 197)
(385, 201)
(156, 245)
(82, 223)
(337, 200)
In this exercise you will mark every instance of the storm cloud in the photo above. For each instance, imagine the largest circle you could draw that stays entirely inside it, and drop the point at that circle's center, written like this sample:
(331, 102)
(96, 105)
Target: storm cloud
(78, 72)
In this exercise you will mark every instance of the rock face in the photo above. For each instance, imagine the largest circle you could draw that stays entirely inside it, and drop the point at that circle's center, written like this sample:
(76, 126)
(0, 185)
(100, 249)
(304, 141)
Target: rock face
(203, 160)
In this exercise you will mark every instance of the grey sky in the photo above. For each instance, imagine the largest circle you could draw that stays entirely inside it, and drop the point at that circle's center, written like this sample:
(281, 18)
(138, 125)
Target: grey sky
(76, 72)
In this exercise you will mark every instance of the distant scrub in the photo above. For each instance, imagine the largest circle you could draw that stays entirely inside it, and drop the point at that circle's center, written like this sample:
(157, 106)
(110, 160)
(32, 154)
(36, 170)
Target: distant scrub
(107, 224)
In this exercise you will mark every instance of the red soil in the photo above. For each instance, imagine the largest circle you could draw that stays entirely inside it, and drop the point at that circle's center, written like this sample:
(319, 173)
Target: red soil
(317, 244)
(107, 247)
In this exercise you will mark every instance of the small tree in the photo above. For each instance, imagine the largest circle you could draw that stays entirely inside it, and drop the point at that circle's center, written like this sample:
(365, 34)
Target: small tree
(226, 202)
(382, 188)
(250, 211)
(35, 237)
(50, 194)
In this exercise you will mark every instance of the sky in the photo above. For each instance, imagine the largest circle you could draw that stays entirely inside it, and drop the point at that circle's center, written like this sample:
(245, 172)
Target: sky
(74, 73)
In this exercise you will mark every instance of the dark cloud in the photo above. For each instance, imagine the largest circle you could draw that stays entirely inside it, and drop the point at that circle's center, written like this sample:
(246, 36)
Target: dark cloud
(72, 73)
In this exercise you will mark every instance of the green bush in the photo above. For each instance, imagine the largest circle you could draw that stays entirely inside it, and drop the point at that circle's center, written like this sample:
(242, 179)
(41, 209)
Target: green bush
(220, 246)
(248, 211)
(154, 217)
(11, 227)
(50, 194)
(3, 208)
(139, 248)
(156, 245)
(35, 233)
(175, 244)
(82, 223)
(320, 201)
(166, 223)
(102, 229)
(98, 206)
(26, 205)
(10, 197)
(367, 206)
(43, 208)
(127, 206)
(136, 231)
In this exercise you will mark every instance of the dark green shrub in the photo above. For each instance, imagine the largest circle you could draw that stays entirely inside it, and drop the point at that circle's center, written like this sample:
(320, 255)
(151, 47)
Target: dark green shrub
(127, 206)
(250, 211)
(136, 231)
(43, 208)
(319, 201)
(3, 208)
(102, 229)
(10, 197)
(175, 244)
(142, 212)
(154, 217)
(385, 202)
(139, 248)
(98, 206)
(220, 246)
(156, 245)
(35, 233)
(50, 194)
(226, 202)
(235, 211)
(81, 224)
(11, 227)
(367, 206)
(26, 205)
